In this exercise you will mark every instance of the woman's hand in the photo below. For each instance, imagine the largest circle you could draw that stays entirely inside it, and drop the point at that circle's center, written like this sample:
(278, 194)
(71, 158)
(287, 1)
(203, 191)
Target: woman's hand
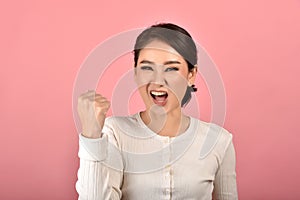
(92, 108)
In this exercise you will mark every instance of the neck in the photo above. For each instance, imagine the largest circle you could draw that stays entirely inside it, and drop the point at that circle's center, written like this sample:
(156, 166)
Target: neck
(166, 124)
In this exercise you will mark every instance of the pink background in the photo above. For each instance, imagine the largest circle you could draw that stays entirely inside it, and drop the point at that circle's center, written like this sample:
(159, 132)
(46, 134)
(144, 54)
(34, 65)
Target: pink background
(254, 43)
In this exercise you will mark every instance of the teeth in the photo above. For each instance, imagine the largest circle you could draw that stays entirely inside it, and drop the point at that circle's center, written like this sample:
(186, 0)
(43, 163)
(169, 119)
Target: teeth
(158, 93)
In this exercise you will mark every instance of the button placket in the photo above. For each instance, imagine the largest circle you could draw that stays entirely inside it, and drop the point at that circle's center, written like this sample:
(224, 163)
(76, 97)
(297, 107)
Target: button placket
(166, 170)
(170, 170)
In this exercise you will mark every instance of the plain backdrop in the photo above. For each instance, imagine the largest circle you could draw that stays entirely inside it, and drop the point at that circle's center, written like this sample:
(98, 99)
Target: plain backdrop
(254, 43)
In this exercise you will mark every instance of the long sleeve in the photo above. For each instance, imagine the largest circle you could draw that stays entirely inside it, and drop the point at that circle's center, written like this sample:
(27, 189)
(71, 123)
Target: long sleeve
(225, 187)
(110, 166)
(100, 172)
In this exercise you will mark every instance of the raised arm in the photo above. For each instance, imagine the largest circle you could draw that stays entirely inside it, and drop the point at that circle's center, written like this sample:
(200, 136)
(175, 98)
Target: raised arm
(100, 172)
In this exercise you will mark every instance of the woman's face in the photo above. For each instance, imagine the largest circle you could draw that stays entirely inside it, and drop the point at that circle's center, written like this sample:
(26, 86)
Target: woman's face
(162, 76)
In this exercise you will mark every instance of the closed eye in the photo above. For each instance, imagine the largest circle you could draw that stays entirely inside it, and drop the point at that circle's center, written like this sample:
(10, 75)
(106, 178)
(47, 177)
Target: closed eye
(146, 68)
(171, 69)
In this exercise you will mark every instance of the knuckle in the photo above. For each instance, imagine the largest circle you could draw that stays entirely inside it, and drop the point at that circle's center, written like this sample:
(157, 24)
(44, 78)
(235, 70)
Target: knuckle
(86, 101)
(80, 97)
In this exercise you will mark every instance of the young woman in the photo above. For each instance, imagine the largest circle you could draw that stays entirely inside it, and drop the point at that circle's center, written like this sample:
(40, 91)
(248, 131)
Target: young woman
(158, 153)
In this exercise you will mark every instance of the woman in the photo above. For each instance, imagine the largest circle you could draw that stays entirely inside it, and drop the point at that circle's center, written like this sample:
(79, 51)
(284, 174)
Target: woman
(159, 153)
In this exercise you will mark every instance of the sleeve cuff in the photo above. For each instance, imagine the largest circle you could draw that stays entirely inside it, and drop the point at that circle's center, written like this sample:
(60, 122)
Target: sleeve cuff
(92, 149)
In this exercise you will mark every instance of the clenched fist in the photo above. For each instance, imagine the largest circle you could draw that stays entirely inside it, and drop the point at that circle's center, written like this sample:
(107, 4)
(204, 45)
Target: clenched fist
(92, 108)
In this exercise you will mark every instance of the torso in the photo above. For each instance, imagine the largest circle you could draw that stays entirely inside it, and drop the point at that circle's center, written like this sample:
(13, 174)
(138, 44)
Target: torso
(161, 167)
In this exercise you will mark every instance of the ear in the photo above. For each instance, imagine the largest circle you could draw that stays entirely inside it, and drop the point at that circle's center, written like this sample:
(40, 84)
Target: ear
(192, 75)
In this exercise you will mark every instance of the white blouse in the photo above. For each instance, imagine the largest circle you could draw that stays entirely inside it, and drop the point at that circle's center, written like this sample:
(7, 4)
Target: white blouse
(131, 162)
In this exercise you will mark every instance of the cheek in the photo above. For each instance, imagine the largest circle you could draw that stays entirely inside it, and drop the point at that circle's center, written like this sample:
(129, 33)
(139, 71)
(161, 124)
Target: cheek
(143, 92)
(177, 84)
(143, 79)
(142, 89)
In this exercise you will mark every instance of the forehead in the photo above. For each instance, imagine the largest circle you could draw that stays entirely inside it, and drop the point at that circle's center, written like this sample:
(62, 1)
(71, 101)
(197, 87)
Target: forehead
(158, 51)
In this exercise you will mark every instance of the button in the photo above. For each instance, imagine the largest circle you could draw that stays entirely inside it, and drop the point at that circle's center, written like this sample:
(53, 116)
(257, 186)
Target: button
(167, 176)
(168, 190)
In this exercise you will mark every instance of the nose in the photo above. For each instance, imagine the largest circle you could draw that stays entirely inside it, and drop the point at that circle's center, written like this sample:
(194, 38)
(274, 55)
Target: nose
(159, 78)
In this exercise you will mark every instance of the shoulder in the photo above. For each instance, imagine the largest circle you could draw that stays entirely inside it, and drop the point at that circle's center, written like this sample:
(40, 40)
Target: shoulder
(121, 120)
(216, 139)
(116, 123)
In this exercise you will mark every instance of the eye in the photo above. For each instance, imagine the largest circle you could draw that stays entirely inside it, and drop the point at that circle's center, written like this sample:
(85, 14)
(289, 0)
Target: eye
(146, 68)
(171, 69)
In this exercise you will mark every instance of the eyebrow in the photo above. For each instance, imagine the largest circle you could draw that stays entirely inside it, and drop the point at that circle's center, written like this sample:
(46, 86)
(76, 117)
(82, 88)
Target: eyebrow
(147, 62)
(165, 63)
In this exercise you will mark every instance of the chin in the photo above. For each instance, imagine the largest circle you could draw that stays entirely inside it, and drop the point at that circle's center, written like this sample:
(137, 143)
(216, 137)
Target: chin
(166, 109)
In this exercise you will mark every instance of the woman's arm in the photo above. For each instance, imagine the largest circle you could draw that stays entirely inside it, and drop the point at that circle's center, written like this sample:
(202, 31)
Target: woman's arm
(101, 169)
(225, 187)
(100, 173)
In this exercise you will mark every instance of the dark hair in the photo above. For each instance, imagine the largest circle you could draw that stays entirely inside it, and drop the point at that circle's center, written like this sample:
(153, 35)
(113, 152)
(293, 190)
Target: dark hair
(178, 38)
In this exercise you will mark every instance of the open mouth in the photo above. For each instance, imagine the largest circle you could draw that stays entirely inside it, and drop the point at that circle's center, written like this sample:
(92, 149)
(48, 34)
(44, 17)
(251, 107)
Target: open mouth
(159, 97)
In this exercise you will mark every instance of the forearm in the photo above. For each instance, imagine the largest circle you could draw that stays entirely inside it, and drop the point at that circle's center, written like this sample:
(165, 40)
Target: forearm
(96, 180)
